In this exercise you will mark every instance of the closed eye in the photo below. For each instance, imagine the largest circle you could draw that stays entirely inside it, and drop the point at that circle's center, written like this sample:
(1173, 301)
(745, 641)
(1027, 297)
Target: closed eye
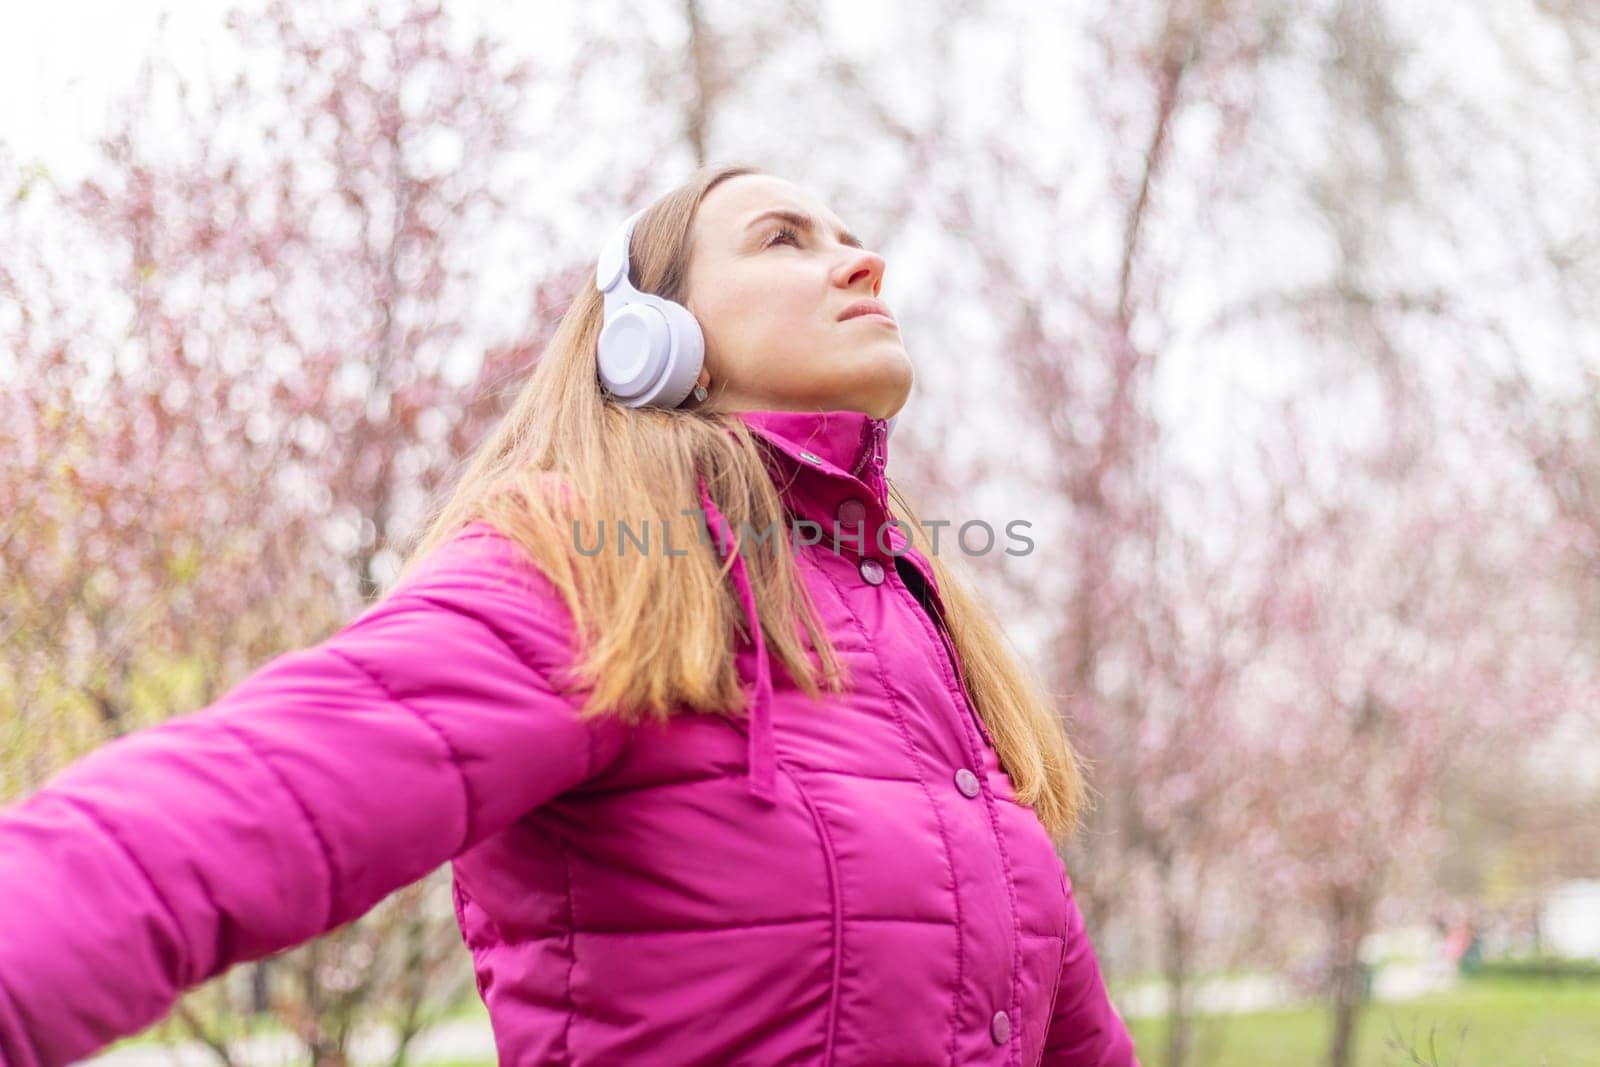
(783, 232)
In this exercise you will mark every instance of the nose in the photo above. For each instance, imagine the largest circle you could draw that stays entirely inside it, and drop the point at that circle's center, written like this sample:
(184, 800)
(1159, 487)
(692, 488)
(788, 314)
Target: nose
(861, 263)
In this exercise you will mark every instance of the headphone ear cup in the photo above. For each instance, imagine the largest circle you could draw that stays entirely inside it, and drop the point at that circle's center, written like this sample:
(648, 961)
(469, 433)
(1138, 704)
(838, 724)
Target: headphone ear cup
(634, 345)
(688, 344)
(650, 350)
(650, 353)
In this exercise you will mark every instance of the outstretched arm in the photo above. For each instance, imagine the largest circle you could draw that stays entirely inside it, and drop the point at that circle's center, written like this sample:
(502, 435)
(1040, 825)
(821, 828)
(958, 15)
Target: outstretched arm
(323, 782)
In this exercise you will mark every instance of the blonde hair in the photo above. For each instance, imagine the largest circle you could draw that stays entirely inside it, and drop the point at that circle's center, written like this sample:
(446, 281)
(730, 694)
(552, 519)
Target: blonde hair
(656, 631)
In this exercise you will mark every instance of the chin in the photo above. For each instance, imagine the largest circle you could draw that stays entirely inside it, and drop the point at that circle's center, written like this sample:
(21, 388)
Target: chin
(880, 401)
(892, 384)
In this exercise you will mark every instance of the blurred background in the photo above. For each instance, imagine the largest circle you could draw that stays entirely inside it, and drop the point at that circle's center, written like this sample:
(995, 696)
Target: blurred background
(1276, 320)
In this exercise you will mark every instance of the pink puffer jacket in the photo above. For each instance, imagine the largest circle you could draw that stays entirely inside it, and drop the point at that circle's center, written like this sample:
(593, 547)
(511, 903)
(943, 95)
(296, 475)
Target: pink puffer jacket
(851, 883)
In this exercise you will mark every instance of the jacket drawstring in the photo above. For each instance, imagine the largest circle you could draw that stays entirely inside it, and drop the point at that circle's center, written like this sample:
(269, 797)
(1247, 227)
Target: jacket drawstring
(762, 750)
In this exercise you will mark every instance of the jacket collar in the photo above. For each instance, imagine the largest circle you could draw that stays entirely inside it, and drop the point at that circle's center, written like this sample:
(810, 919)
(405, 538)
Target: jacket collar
(838, 444)
(848, 444)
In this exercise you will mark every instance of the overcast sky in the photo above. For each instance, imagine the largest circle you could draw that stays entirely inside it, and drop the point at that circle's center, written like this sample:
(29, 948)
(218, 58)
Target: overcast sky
(62, 63)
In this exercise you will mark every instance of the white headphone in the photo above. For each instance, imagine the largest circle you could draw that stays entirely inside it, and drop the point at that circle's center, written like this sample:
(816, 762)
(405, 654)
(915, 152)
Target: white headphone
(651, 349)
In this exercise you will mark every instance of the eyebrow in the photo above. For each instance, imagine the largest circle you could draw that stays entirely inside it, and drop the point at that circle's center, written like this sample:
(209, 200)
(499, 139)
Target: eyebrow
(804, 222)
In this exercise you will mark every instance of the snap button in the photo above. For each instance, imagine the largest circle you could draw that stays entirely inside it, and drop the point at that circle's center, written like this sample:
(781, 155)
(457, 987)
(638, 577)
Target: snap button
(967, 782)
(1000, 1028)
(850, 512)
(872, 572)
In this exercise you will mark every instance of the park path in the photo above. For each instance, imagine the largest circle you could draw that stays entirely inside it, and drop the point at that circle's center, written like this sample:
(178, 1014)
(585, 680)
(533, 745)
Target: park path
(1265, 992)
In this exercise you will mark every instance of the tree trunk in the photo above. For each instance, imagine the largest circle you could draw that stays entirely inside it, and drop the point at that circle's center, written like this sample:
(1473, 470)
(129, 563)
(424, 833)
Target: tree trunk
(1176, 963)
(1350, 915)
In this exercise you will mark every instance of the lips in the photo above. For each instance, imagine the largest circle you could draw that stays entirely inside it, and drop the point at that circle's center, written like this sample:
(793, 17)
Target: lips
(865, 307)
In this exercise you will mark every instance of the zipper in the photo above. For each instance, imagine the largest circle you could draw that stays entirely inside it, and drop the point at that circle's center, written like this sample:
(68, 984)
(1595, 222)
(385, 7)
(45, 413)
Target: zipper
(879, 485)
(873, 460)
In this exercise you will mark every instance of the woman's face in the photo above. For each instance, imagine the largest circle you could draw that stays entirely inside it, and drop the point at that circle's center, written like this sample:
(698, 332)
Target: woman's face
(768, 294)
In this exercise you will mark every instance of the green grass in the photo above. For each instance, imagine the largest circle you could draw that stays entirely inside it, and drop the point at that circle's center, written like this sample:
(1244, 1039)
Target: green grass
(1488, 1022)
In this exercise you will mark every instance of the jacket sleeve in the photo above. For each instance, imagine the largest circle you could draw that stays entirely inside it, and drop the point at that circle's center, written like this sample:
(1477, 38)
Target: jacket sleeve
(1085, 1027)
(315, 787)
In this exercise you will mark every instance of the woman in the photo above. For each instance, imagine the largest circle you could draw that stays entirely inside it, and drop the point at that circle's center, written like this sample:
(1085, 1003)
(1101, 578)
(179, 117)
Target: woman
(786, 802)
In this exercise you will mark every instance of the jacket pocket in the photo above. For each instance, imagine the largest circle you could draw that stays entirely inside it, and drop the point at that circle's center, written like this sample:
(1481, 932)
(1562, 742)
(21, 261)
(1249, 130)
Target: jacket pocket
(1041, 962)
